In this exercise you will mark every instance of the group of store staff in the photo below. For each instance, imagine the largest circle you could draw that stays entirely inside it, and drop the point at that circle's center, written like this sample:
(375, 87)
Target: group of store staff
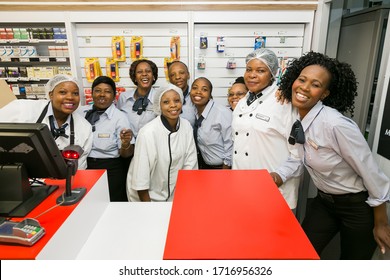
(282, 128)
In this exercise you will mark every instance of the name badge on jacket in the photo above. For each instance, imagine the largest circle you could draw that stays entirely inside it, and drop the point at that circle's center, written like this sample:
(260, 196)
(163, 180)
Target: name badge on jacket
(262, 117)
(104, 135)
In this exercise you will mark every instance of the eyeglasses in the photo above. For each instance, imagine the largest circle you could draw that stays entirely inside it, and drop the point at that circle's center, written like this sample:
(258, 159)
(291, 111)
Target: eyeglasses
(106, 92)
(238, 94)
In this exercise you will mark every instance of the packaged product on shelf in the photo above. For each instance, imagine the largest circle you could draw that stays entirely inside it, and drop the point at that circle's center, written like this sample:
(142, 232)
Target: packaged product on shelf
(65, 51)
(3, 72)
(259, 42)
(30, 72)
(175, 47)
(3, 33)
(92, 68)
(15, 89)
(59, 51)
(49, 34)
(88, 96)
(203, 41)
(13, 72)
(52, 50)
(57, 33)
(167, 63)
(9, 51)
(66, 70)
(220, 44)
(24, 33)
(16, 51)
(118, 48)
(3, 51)
(10, 33)
(23, 71)
(112, 70)
(63, 33)
(136, 47)
(28, 89)
(23, 51)
(16, 32)
(32, 51)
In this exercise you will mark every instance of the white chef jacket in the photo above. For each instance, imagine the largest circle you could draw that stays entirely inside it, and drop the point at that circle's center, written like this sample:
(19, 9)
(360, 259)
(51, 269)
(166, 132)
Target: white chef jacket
(159, 155)
(260, 136)
(28, 111)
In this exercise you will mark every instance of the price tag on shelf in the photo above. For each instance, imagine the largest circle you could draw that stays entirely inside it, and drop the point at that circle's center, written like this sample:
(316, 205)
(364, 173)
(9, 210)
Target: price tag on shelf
(5, 59)
(34, 41)
(61, 59)
(12, 41)
(44, 59)
(60, 41)
(2, 41)
(24, 59)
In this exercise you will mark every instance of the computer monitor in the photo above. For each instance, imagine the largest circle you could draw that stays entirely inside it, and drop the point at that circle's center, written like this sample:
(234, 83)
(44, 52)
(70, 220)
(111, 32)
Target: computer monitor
(27, 150)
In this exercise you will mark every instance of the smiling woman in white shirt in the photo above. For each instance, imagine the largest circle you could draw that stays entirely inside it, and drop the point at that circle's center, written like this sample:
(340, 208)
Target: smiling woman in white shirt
(352, 190)
(163, 147)
(67, 127)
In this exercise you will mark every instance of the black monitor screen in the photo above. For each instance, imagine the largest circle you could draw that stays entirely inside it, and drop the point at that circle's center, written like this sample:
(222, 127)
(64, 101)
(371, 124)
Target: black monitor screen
(27, 150)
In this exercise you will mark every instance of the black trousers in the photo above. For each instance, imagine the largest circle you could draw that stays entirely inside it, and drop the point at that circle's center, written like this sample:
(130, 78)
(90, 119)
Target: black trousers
(348, 214)
(116, 174)
(203, 165)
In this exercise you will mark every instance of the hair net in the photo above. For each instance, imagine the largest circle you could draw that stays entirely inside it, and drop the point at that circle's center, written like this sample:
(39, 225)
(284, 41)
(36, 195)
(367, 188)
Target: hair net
(267, 56)
(160, 93)
(57, 79)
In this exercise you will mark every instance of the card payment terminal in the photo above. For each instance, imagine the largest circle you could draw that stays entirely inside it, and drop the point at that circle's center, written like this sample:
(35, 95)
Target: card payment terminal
(26, 232)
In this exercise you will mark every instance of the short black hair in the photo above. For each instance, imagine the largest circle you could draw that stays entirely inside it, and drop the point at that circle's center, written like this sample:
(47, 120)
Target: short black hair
(342, 86)
(239, 80)
(177, 61)
(133, 67)
(104, 80)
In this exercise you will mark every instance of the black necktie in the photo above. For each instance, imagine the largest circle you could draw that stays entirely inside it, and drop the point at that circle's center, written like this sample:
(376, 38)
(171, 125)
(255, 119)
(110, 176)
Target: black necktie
(140, 104)
(252, 97)
(198, 123)
(93, 115)
(297, 134)
(57, 132)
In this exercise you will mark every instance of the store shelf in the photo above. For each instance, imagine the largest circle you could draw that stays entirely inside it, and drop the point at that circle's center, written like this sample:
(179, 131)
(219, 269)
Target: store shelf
(40, 59)
(33, 41)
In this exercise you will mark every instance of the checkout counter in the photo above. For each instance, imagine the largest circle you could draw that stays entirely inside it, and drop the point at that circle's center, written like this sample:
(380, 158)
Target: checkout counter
(216, 214)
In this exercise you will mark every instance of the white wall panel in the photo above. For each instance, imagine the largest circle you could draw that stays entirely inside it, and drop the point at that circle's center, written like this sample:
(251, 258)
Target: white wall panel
(286, 40)
(94, 40)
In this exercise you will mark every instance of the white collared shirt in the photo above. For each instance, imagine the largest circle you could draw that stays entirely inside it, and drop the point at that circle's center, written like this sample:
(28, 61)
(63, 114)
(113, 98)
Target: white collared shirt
(338, 157)
(125, 103)
(215, 134)
(106, 137)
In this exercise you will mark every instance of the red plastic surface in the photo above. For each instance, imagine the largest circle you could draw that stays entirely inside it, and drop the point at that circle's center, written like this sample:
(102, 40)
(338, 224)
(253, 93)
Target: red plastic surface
(233, 214)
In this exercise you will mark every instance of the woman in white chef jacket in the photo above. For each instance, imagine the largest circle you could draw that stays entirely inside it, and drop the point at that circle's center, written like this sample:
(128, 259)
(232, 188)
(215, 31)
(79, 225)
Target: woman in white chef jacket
(261, 126)
(163, 147)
